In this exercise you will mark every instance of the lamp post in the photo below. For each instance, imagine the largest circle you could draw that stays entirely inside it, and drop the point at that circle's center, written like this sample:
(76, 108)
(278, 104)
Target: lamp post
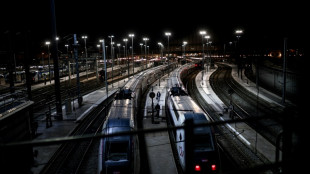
(42, 61)
(111, 37)
(105, 67)
(168, 34)
(67, 46)
(184, 46)
(85, 37)
(145, 40)
(208, 54)
(103, 49)
(98, 46)
(126, 40)
(133, 62)
(124, 50)
(97, 76)
(57, 39)
(141, 44)
(161, 49)
(202, 33)
(238, 33)
(118, 55)
(49, 59)
(111, 46)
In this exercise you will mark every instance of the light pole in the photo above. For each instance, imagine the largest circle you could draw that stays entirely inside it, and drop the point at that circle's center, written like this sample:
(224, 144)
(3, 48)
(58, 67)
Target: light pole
(202, 33)
(105, 67)
(57, 39)
(238, 34)
(126, 40)
(161, 49)
(148, 53)
(141, 44)
(97, 76)
(118, 55)
(168, 34)
(85, 37)
(111, 45)
(112, 55)
(103, 50)
(42, 61)
(208, 54)
(133, 62)
(98, 46)
(49, 59)
(184, 46)
(239, 63)
(67, 46)
(145, 40)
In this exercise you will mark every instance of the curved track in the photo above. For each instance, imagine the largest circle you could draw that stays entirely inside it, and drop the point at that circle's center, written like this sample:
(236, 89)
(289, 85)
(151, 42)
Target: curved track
(234, 154)
(247, 105)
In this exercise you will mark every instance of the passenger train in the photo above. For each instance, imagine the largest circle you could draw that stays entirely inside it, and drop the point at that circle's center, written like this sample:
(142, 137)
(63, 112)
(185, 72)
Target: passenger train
(120, 154)
(182, 107)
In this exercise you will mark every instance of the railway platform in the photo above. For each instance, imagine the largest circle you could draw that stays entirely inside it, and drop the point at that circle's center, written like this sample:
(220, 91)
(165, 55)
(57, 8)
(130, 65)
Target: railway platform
(242, 131)
(158, 147)
(54, 128)
(61, 128)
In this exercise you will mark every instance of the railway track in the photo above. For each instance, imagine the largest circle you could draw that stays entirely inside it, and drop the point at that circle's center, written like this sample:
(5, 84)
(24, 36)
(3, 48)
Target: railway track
(71, 156)
(247, 105)
(234, 154)
(81, 156)
(46, 95)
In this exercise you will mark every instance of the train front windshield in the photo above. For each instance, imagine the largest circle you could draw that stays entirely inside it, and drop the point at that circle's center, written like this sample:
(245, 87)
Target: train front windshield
(116, 151)
(203, 143)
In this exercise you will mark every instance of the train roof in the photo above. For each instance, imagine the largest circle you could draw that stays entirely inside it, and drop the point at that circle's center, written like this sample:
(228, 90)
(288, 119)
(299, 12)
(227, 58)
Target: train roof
(185, 103)
(116, 125)
(120, 110)
(118, 122)
(197, 117)
(124, 94)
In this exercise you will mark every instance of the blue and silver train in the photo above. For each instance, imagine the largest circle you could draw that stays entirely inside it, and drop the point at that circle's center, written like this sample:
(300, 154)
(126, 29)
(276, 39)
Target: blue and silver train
(182, 107)
(120, 154)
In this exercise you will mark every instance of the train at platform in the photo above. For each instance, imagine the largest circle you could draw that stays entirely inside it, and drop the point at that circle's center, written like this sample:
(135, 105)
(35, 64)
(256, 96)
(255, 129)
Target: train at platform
(181, 107)
(120, 153)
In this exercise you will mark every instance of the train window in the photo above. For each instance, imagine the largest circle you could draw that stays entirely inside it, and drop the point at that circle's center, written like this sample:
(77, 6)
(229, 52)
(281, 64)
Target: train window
(116, 151)
(203, 142)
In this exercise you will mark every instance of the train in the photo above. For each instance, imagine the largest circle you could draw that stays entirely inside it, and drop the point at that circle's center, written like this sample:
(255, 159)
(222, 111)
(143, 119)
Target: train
(181, 107)
(120, 154)
(116, 72)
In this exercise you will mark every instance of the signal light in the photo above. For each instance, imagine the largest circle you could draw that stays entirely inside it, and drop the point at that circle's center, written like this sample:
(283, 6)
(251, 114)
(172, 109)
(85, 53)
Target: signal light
(197, 168)
(213, 167)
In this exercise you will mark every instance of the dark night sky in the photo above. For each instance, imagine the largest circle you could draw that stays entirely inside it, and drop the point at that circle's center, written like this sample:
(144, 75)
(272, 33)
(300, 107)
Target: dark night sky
(262, 21)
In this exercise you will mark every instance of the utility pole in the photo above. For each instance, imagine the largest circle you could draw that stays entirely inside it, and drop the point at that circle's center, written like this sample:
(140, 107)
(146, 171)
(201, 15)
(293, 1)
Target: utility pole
(75, 45)
(55, 60)
(105, 68)
(284, 71)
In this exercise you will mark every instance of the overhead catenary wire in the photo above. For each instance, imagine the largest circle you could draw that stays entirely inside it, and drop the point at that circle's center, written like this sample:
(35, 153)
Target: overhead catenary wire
(58, 140)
